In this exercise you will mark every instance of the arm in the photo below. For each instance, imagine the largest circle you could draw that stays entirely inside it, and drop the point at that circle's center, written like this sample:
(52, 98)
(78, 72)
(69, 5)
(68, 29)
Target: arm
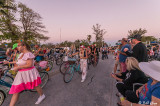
(75, 54)
(115, 77)
(7, 62)
(29, 63)
(122, 53)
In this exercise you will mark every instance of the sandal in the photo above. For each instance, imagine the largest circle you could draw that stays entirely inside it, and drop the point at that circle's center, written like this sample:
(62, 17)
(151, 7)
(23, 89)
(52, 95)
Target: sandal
(119, 104)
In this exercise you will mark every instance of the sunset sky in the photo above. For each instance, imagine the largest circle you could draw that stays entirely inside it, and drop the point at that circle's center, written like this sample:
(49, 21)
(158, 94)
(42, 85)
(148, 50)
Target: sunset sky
(75, 18)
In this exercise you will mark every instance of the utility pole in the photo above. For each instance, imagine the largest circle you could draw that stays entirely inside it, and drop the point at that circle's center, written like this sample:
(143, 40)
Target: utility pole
(60, 35)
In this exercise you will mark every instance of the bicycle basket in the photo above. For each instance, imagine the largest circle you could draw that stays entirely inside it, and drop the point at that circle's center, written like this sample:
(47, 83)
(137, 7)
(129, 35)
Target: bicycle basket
(71, 62)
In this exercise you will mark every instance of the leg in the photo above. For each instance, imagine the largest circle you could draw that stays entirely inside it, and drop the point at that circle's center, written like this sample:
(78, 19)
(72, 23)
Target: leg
(131, 96)
(84, 72)
(39, 90)
(115, 68)
(14, 99)
(121, 88)
(120, 68)
(123, 67)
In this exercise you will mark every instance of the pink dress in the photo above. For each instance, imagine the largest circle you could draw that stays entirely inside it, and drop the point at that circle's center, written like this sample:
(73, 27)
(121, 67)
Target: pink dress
(25, 79)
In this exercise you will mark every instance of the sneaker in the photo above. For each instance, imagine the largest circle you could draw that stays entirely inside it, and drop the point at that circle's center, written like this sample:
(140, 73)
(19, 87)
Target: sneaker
(40, 99)
(82, 80)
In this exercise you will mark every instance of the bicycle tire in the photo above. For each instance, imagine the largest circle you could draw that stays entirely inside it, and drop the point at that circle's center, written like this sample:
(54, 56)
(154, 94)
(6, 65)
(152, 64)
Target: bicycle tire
(68, 75)
(50, 65)
(2, 97)
(44, 79)
(9, 79)
(63, 67)
(59, 61)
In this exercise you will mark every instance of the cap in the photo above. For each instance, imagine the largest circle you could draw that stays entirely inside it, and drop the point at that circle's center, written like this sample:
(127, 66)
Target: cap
(137, 36)
(15, 45)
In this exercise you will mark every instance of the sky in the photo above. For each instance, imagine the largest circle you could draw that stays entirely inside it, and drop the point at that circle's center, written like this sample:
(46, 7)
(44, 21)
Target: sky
(75, 18)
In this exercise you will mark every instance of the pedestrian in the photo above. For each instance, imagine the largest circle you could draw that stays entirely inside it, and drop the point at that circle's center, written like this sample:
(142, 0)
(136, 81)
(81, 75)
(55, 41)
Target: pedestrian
(122, 54)
(117, 63)
(83, 61)
(27, 77)
(139, 50)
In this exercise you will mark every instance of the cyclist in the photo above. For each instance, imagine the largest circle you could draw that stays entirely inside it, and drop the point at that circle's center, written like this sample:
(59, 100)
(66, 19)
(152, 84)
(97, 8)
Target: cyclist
(39, 54)
(93, 52)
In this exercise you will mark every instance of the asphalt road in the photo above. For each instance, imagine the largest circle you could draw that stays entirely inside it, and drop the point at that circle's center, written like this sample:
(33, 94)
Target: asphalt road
(100, 92)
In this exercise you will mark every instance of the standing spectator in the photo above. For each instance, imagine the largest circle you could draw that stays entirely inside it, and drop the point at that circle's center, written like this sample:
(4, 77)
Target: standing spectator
(117, 59)
(139, 51)
(122, 54)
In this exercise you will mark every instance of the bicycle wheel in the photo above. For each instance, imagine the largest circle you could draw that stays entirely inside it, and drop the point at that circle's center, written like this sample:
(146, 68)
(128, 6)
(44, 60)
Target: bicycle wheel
(50, 65)
(68, 75)
(44, 79)
(2, 97)
(63, 67)
(9, 79)
(59, 61)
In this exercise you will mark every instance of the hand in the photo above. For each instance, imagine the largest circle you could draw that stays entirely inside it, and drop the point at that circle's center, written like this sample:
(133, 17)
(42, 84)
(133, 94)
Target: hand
(118, 51)
(5, 62)
(15, 68)
(138, 91)
(125, 49)
(113, 75)
(126, 103)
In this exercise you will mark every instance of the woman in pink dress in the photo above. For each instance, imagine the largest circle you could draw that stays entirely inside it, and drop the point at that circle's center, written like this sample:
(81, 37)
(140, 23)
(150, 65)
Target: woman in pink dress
(27, 77)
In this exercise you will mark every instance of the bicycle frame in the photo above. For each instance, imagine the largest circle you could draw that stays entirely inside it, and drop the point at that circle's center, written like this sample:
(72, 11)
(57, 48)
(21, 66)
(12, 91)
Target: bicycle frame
(2, 82)
(75, 68)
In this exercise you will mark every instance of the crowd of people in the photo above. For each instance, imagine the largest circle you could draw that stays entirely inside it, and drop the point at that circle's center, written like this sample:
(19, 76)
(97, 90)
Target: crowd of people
(131, 67)
(138, 81)
(23, 59)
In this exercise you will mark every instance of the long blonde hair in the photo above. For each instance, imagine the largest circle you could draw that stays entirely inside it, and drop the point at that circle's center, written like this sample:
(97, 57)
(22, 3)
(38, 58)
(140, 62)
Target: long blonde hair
(132, 63)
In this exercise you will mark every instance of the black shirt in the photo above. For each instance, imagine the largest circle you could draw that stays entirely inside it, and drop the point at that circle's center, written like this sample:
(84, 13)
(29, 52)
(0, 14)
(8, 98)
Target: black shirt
(139, 52)
(135, 76)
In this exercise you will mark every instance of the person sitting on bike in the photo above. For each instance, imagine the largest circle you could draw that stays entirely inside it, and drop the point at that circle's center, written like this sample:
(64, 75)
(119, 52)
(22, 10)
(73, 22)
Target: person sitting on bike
(97, 50)
(83, 61)
(93, 51)
(39, 54)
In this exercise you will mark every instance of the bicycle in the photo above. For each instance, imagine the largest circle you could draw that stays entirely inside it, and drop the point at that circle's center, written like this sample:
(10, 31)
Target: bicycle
(6, 82)
(93, 59)
(63, 67)
(69, 72)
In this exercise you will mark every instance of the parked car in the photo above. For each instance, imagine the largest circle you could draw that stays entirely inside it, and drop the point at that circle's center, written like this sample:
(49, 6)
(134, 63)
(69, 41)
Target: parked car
(2, 54)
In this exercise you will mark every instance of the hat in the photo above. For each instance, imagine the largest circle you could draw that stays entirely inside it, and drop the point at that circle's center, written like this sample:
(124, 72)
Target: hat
(82, 46)
(152, 69)
(137, 36)
(15, 45)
